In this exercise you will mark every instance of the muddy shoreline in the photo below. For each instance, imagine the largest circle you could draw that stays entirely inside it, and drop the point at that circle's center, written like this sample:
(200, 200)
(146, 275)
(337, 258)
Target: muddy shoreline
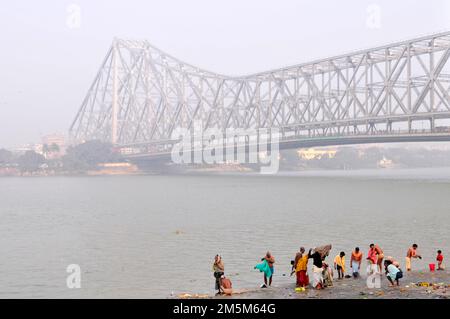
(414, 285)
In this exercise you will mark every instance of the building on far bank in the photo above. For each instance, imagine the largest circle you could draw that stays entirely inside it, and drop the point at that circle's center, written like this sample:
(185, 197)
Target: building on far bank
(54, 145)
(27, 147)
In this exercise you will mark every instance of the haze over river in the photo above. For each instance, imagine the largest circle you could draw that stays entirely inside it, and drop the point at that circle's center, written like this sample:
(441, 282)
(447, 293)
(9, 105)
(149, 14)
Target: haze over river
(151, 236)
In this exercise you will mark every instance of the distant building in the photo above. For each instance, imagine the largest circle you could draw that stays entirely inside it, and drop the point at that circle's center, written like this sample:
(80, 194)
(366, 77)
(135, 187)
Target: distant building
(28, 147)
(57, 139)
(54, 145)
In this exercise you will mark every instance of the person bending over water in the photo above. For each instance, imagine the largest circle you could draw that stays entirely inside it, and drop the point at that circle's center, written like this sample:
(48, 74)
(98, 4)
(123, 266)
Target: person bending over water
(270, 260)
(339, 264)
(355, 262)
(411, 253)
(318, 257)
(226, 286)
(327, 274)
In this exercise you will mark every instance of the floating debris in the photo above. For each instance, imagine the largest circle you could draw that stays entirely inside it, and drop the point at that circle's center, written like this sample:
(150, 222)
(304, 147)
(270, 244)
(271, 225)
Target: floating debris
(423, 284)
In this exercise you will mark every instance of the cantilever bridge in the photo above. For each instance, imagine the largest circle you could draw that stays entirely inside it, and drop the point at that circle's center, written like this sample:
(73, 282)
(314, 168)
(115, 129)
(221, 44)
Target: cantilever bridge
(393, 93)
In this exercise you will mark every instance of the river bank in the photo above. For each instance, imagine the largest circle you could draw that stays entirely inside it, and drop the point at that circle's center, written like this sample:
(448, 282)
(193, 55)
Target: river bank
(414, 285)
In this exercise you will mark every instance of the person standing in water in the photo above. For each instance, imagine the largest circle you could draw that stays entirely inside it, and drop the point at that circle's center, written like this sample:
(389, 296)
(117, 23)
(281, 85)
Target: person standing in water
(270, 260)
(218, 269)
(355, 262)
(411, 253)
(300, 266)
(372, 260)
(440, 260)
(318, 256)
(380, 256)
(339, 264)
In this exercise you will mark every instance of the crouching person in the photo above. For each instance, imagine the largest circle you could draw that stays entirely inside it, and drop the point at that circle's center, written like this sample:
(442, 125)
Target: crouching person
(225, 285)
(393, 273)
(327, 275)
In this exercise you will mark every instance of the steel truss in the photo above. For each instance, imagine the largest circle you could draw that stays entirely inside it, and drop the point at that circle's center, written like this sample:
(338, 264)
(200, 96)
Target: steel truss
(141, 94)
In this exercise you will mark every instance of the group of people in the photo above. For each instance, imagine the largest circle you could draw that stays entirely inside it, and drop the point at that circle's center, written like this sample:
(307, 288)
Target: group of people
(322, 273)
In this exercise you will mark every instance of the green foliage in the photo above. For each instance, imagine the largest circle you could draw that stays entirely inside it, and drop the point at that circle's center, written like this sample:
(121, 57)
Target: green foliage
(88, 155)
(54, 148)
(6, 157)
(30, 161)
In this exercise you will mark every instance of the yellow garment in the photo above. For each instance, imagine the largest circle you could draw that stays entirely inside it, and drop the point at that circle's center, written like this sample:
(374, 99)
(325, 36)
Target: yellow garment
(338, 260)
(302, 263)
(408, 263)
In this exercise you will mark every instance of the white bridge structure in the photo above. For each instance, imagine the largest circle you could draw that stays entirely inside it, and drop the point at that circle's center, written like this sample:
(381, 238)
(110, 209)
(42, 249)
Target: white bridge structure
(397, 92)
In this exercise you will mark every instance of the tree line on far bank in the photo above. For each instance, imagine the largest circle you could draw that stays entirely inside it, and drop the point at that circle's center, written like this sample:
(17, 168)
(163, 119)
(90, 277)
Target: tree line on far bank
(77, 159)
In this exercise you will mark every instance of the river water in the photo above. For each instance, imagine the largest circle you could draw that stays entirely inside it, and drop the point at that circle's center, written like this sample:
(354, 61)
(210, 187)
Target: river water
(154, 236)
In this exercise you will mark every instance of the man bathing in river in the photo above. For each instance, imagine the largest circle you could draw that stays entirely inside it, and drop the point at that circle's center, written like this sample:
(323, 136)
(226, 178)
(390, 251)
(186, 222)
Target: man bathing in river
(339, 264)
(270, 260)
(355, 262)
(375, 256)
(411, 253)
(380, 256)
(218, 269)
(372, 260)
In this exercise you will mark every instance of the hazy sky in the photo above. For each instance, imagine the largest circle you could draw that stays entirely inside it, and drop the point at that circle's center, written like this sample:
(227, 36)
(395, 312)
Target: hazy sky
(48, 56)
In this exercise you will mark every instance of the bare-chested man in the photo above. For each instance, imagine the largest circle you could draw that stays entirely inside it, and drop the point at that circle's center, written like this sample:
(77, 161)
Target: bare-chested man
(411, 253)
